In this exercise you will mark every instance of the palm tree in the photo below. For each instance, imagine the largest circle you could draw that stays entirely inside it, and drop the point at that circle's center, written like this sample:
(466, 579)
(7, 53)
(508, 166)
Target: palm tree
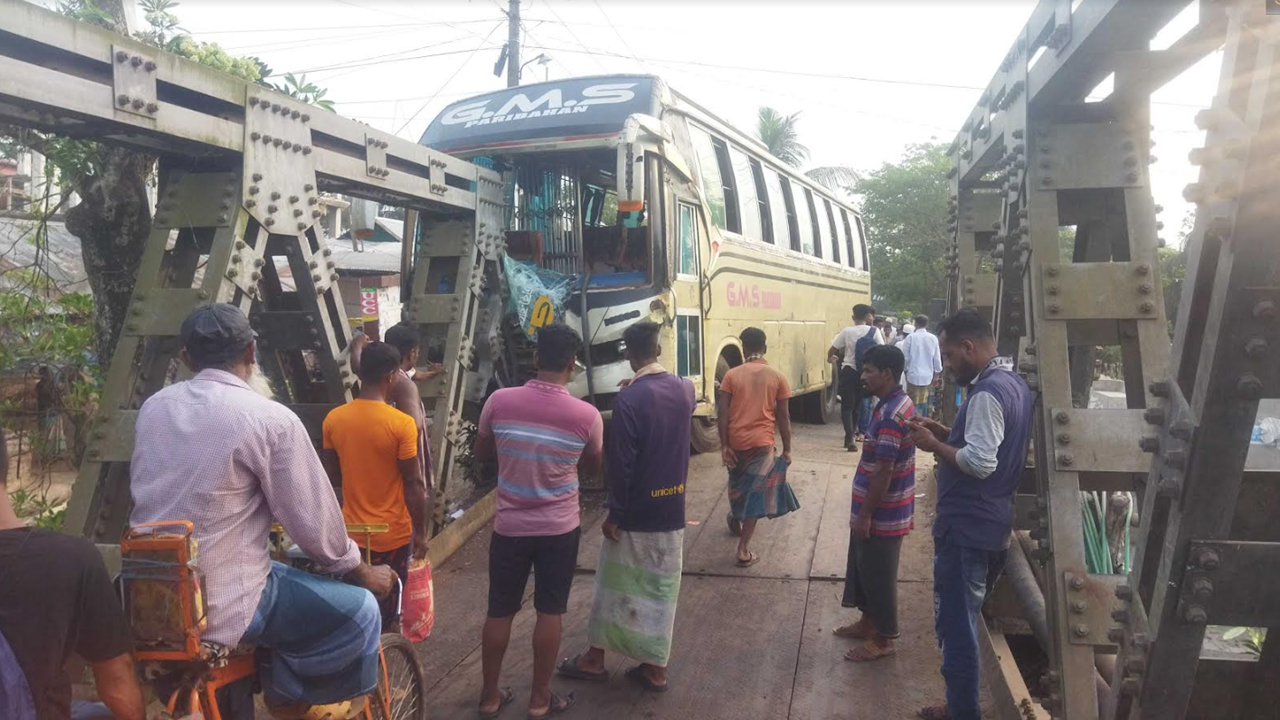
(778, 133)
(834, 177)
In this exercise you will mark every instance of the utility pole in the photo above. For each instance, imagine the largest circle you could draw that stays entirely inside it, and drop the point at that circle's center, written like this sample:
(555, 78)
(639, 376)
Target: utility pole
(513, 43)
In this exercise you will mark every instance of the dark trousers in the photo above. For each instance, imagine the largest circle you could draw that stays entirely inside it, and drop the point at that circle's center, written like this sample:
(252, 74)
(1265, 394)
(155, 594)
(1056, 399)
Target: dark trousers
(962, 578)
(397, 560)
(871, 581)
(851, 394)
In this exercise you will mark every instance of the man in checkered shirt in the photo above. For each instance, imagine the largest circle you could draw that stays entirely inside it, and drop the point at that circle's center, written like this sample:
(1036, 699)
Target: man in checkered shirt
(215, 451)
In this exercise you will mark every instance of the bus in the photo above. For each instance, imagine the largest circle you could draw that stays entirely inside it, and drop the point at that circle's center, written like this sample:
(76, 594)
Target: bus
(661, 210)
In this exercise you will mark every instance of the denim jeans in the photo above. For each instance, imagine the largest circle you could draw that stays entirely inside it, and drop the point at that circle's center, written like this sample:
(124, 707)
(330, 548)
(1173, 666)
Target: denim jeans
(962, 577)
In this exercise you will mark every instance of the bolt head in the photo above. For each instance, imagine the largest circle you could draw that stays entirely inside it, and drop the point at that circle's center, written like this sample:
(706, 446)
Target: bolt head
(1256, 348)
(1265, 310)
(121, 56)
(150, 66)
(122, 100)
(139, 103)
(1080, 630)
(1209, 559)
(1124, 592)
(1159, 388)
(1076, 582)
(153, 108)
(1196, 615)
(1249, 386)
(1077, 606)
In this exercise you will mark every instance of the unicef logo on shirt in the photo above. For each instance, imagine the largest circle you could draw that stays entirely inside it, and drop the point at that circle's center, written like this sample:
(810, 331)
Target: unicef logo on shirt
(667, 491)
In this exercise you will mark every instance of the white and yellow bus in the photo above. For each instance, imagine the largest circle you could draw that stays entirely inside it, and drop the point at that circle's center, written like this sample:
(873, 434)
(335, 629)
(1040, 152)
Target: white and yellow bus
(711, 234)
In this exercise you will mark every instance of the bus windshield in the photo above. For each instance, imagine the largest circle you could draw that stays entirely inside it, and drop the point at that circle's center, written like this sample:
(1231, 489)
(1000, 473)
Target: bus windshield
(564, 217)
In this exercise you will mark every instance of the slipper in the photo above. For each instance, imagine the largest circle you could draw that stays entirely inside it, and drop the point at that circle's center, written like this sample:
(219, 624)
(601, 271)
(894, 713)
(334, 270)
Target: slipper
(869, 652)
(559, 703)
(934, 712)
(749, 562)
(505, 697)
(636, 674)
(850, 631)
(735, 525)
(568, 667)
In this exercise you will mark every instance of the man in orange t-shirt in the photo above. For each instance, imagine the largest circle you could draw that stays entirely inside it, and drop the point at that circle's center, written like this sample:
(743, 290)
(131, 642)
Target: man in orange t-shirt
(371, 451)
(753, 399)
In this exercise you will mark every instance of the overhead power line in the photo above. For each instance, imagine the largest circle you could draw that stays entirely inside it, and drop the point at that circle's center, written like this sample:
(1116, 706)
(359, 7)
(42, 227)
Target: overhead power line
(625, 44)
(363, 62)
(340, 27)
(574, 35)
(451, 77)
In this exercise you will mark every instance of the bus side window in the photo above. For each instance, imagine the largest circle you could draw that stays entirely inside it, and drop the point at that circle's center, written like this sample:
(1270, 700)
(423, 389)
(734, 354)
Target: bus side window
(729, 186)
(688, 345)
(709, 170)
(849, 258)
(762, 200)
(789, 200)
(835, 235)
(746, 191)
(686, 251)
(813, 223)
(862, 241)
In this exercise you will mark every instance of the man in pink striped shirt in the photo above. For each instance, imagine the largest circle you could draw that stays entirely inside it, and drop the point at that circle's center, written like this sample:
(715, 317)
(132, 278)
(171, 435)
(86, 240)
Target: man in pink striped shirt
(542, 437)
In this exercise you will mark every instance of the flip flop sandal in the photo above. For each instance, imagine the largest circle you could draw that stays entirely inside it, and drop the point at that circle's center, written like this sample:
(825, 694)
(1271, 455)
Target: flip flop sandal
(568, 667)
(505, 697)
(559, 704)
(748, 563)
(849, 631)
(934, 712)
(870, 652)
(735, 525)
(636, 674)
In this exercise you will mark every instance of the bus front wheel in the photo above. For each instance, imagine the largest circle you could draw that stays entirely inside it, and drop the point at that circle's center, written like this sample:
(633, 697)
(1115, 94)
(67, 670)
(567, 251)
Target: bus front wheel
(704, 435)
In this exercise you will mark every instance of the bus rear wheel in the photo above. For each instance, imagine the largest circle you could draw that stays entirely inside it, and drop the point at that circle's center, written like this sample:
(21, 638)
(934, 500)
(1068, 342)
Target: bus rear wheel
(822, 407)
(704, 435)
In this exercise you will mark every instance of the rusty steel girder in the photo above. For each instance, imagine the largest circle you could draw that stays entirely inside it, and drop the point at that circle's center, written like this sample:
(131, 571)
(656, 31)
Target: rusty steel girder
(1032, 158)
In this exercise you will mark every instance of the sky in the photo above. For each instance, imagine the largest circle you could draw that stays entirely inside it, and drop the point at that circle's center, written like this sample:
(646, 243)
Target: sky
(868, 77)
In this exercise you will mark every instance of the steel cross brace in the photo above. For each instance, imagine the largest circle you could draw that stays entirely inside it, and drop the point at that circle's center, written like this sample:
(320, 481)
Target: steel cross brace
(242, 169)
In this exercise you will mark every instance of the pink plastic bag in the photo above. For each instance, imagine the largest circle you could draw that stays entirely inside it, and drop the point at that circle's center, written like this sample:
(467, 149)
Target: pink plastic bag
(418, 608)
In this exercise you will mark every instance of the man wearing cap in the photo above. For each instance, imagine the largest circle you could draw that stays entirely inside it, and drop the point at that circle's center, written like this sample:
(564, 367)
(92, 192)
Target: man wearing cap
(214, 451)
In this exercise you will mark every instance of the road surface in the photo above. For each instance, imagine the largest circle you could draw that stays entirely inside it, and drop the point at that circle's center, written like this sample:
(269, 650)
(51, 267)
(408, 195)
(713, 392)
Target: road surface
(750, 644)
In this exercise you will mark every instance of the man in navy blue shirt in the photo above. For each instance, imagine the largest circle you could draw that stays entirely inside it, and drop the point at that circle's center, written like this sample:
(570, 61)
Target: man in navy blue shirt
(980, 460)
(640, 562)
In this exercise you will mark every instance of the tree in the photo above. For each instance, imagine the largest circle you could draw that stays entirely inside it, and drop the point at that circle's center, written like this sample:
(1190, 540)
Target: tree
(834, 177)
(307, 92)
(904, 210)
(113, 218)
(779, 133)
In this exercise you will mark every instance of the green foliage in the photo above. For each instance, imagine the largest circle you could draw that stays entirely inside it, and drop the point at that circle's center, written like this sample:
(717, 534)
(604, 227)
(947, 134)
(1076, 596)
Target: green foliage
(780, 134)
(905, 212)
(38, 509)
(86, 11)
(307, 92)
(834, 177)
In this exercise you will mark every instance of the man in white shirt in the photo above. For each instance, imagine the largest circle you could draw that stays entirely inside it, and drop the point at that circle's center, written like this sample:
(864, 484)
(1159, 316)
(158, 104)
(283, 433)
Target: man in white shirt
(924, 364)
(848, 347)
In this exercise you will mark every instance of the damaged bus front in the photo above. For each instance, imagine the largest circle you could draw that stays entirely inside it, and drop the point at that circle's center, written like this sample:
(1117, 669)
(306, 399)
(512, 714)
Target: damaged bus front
(582, 167)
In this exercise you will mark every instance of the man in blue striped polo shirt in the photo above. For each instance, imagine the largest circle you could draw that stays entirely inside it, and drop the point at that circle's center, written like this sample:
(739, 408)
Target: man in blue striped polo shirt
(883, 512)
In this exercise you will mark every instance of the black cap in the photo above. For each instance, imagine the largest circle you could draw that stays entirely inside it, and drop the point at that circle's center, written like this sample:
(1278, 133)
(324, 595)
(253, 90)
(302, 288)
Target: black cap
(216, 334)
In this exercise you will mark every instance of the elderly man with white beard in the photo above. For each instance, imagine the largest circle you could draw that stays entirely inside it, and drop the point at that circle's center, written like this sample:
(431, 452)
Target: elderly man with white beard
(213, 450)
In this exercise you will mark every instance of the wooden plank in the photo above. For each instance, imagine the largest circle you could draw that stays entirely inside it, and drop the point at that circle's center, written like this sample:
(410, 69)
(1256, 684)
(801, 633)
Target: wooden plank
(752, 650)
(827, 687)
(1010, 698)
(831, 549)
(785, 545)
